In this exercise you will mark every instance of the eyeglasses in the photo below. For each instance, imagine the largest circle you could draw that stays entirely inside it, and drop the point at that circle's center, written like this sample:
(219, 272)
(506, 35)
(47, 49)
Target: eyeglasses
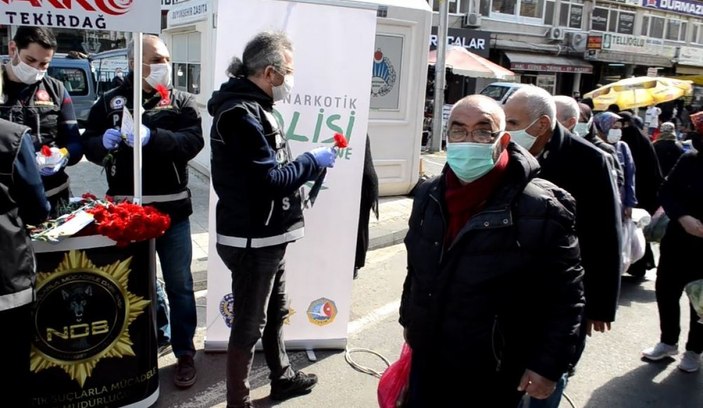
(458, 134)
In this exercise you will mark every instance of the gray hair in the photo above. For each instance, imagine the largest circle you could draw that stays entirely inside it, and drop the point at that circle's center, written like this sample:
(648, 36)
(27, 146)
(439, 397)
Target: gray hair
(130, 46)
(567, 108)
(539, 102)
(265, 49)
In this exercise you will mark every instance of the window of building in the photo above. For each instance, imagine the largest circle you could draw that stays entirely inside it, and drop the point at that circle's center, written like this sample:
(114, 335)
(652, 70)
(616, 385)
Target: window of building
(186, 62)
(655, 26)
(613, 20)
(517, 8)
(571, 14)
(697, 36)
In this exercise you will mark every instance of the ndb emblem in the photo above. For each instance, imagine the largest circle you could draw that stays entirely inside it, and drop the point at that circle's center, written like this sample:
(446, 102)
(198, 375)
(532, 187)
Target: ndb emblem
(227, 309)
(383, 75)
(83, 315)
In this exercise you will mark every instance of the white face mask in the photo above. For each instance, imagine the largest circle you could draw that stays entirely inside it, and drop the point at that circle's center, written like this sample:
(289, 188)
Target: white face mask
(582, 128)
(160, 75)
(280, 92)
(523, 138)
(26, 73)
(614, 135)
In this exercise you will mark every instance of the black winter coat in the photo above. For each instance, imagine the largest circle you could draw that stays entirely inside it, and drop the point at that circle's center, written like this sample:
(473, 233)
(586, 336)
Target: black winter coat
(682, 194)
(506, 294)
(668, 153)
(176, 138)
(648, 175)
(583, 170)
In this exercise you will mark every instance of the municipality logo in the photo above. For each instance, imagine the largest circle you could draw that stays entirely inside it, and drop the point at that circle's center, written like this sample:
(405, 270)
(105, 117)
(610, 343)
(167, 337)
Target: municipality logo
(322, 312)
(383, 75)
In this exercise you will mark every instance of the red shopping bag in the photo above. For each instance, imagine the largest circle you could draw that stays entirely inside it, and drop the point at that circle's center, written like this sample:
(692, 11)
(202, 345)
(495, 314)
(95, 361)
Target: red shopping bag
(394, 380)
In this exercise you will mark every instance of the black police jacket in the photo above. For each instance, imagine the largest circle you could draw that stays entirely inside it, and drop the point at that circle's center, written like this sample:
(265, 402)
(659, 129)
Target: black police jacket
(254, 175)
(18, 198)
(176, 138)
(506, 294)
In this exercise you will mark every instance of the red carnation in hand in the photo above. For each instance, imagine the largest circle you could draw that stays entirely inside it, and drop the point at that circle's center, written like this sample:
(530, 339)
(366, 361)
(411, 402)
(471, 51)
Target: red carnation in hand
(340, 141)
(46, 151)
(163, 91)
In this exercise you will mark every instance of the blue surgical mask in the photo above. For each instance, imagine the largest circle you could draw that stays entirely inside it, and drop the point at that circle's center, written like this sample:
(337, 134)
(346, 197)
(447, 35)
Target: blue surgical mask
(614, 135)
(582, 128)
(523, 138)
(469, 161)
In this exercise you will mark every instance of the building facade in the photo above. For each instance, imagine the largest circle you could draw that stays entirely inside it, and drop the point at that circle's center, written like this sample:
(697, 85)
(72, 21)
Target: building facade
(571, 46)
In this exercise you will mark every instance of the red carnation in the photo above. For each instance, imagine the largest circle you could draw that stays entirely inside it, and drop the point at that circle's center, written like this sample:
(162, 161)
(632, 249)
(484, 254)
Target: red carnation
(46, 151)
(340, 141)
(163, 91)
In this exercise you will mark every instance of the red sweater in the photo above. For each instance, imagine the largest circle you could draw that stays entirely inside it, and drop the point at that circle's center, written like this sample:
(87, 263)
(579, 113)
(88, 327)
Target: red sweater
(463, 201)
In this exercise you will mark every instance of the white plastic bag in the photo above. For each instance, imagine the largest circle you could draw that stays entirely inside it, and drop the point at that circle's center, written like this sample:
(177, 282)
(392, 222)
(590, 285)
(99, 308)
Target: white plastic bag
(633, 243)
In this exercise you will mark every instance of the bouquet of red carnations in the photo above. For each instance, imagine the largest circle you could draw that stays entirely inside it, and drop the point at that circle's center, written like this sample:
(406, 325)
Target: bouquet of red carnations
(126, 222)
(122, 222)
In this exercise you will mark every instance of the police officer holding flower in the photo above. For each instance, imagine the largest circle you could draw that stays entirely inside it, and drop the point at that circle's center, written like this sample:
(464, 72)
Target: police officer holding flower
(171, 136)
(32, 98)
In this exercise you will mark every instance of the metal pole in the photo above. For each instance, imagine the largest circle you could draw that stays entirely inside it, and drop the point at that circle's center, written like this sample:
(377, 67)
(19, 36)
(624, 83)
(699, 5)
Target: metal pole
(437, 135)
(137, 113)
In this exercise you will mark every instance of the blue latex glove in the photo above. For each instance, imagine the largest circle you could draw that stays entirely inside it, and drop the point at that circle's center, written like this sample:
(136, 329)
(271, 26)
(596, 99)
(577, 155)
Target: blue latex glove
(146, 135)
(50, 171)
(324, 156)
(111, 138)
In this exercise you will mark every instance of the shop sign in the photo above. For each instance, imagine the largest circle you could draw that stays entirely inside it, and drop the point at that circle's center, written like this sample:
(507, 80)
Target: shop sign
(522, 66)
(475, 41)
(652, 71)
(637, 45)
(189, 12)
(595, 42)
(687, 7)
(691, 56)
(86, 14)
(629, 2)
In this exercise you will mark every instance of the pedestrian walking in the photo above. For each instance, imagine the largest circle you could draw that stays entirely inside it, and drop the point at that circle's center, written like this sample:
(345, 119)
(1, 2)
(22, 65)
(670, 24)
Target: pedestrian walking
(668, 148)
(583, 170)
(487, 238)
(259, 210)
(23, 201)
(681, 197)
(171, 136)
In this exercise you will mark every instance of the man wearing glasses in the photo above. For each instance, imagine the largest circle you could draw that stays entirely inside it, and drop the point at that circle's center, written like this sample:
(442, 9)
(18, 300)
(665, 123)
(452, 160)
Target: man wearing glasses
(493, 292)
(259, 210)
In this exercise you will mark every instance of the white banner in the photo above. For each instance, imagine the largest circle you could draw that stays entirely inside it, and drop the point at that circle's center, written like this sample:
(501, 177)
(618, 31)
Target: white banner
(110, 15)
(332, 91)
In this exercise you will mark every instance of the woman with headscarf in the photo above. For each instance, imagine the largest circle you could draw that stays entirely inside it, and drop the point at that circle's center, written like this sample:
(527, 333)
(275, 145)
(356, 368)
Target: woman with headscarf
(609, 128)
(681, 197)
(667, 147)
(648, 178)
(586, 128)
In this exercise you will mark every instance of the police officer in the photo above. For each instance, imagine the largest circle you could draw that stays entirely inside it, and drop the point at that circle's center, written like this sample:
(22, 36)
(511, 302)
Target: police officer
(171, 136)
(22, 200)
(34, 99)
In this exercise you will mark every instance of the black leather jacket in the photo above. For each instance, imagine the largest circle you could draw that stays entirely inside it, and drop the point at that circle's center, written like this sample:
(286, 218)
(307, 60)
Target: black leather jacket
(506, 294)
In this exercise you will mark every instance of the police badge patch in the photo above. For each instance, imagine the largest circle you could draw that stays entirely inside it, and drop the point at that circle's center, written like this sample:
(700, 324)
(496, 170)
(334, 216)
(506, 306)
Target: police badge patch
(118, 102)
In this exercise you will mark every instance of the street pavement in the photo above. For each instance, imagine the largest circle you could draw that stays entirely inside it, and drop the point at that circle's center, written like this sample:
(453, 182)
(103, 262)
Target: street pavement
(610, 374)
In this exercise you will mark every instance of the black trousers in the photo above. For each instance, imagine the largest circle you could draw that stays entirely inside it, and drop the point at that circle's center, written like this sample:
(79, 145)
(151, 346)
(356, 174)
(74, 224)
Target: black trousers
(16, 345)
(676, 269)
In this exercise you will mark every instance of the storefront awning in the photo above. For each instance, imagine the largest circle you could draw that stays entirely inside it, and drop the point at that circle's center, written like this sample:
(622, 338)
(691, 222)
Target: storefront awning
(522, 61)
(688, 70)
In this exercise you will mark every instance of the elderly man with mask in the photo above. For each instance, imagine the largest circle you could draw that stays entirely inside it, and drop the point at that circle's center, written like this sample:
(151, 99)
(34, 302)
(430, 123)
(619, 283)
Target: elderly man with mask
(486, 239)
(171, 135)
(583, 170)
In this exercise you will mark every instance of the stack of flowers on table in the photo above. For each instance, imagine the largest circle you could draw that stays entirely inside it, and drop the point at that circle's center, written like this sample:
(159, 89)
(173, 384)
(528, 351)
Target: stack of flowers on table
(123, 222)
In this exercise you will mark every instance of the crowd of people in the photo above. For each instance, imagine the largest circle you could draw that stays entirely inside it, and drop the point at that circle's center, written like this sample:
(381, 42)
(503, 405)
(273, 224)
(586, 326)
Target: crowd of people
(528, 215)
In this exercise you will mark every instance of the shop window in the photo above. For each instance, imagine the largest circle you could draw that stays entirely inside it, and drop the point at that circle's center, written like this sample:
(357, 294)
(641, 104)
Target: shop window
(186, 62)
(613, 20)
